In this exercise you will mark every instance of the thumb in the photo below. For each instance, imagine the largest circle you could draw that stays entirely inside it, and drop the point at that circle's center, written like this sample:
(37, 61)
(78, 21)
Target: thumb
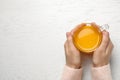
(70, 39)
(105, 40)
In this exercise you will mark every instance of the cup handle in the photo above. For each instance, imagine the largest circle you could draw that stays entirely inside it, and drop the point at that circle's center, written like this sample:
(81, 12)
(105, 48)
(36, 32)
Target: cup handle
(104, 27)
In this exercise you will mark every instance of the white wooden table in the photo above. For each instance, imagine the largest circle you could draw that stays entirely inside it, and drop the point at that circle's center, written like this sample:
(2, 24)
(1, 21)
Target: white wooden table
(32, 34)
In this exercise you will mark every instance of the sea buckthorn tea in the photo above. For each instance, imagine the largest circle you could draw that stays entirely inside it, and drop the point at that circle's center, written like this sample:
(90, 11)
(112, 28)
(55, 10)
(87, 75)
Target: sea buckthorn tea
(87, 38)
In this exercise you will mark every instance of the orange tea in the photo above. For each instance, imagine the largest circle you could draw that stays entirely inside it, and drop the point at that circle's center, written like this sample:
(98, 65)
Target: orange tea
(87, 38)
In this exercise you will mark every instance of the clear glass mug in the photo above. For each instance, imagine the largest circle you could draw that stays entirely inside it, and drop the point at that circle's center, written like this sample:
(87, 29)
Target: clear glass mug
(88, 37)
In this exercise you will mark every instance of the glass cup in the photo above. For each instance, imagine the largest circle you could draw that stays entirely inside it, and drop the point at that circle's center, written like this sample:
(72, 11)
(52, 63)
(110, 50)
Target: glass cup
(88, 37)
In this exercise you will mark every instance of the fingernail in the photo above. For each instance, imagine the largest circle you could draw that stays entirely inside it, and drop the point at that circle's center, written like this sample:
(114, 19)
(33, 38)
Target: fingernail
(105, 32)
(93, 23)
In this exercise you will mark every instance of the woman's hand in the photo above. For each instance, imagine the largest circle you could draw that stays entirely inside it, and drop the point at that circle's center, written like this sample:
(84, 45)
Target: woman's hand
(101, 55)
(73, 55)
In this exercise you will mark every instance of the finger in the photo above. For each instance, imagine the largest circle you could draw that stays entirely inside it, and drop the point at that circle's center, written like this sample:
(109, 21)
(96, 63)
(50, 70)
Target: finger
(66, 47)
(105, 41)
(77, 27)
(67, 34)
(70, 41)
(109, 48)
(95, 25)
(69, 38)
